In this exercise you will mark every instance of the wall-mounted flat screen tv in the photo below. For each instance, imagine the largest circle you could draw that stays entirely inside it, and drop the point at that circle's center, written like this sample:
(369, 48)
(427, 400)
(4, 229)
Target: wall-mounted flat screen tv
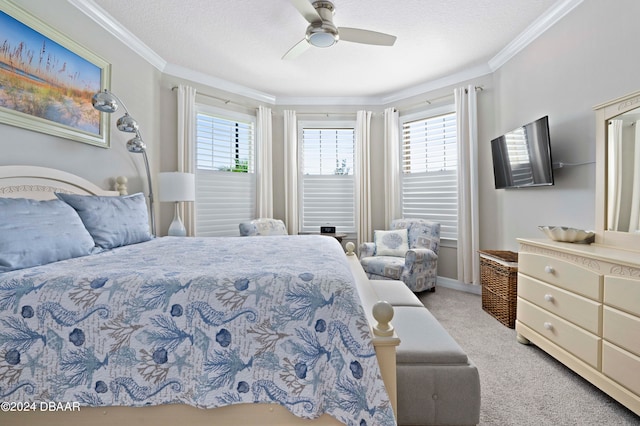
(522, 157)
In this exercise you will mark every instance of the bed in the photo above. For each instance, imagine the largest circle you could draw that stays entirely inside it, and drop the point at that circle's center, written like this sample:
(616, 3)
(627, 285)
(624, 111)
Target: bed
(195, 330)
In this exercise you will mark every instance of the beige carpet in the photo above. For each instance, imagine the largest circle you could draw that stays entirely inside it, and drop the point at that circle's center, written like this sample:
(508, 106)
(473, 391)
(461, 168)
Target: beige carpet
(520, 384)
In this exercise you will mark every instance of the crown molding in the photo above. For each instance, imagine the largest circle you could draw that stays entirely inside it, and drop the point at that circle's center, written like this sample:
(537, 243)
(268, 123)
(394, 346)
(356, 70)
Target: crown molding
(538, 27)
(450, 80)
(218, 83)
(328, 100)
(395, 97)
(106, 21)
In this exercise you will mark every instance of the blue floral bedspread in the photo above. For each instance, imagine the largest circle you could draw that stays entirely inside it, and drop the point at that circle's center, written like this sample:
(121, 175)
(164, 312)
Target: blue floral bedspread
(201, 321)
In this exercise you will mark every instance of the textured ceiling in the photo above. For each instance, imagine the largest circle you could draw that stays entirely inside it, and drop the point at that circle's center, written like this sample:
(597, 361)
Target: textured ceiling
(242, 41)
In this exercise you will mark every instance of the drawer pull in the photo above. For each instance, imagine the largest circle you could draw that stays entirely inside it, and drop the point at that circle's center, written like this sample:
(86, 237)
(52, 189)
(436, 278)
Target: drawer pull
(549, 269)
(548, 297)
(548, 326)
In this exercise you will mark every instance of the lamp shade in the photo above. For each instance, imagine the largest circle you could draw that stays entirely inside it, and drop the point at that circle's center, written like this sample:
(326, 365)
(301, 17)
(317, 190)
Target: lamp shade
(177, 186)
(105, 101)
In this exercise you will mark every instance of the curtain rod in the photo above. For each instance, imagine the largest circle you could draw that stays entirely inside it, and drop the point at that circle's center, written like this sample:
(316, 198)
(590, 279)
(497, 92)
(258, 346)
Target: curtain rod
(225, 101)
(430, 101)
(427, 101)
(327, 113)
(229, 101)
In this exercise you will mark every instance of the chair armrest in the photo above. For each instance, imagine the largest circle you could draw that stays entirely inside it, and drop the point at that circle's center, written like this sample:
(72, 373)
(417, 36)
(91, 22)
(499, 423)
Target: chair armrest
(419, 255)
(367, 250)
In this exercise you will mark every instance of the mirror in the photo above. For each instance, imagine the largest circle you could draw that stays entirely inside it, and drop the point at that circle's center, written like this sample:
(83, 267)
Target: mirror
(618, 173)
(623, 172)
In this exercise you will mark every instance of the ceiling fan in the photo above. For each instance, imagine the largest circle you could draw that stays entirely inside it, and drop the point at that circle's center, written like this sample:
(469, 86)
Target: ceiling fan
(321, 31)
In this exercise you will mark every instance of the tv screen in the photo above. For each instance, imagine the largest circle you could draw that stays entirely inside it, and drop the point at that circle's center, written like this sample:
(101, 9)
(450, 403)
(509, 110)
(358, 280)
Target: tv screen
(522, 157)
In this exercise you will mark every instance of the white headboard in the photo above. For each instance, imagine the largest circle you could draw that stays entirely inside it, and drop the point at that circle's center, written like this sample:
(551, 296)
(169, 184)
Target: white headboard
(40, 183)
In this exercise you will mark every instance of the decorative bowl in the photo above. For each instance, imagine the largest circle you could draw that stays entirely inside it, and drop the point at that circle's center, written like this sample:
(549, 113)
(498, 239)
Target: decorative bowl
(567, 234)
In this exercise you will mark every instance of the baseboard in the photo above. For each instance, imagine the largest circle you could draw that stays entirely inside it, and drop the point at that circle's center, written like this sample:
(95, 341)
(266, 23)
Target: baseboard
(457, 285)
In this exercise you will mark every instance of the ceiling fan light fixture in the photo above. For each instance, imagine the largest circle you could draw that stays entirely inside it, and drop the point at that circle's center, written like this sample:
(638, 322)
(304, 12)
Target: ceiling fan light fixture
(322, 34)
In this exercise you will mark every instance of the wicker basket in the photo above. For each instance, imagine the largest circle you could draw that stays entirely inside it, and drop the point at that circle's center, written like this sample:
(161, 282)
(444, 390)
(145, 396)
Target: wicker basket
(499, 275)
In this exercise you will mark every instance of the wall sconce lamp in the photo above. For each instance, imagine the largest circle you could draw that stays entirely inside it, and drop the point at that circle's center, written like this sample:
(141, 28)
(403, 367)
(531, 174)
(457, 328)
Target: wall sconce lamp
(108, 102)
(176, 187)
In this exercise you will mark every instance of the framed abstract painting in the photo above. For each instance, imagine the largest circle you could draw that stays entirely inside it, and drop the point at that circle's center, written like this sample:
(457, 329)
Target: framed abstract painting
(47, 80)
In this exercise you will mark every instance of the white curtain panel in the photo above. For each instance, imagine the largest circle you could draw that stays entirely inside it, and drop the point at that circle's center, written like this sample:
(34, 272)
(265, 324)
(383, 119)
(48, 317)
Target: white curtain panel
(186, 147)
(468, 221)
(264, 175)
(614, 178)
(363, 177)
(391, 165)
(291, 171)
(634, 223)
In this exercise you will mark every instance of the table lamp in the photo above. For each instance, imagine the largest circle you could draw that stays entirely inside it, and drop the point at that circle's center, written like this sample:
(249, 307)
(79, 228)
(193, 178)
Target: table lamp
(176, 187)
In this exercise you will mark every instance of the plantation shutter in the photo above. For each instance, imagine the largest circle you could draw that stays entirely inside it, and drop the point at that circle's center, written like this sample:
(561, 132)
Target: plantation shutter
(327, 182)
(225, 178)
(429, 172)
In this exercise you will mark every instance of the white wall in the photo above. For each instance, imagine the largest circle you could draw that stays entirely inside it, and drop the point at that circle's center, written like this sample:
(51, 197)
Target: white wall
(587, 58)
(132, 79)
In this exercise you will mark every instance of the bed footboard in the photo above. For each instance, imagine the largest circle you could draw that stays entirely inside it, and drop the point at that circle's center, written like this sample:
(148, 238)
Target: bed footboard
(379, 314)
(166, 415)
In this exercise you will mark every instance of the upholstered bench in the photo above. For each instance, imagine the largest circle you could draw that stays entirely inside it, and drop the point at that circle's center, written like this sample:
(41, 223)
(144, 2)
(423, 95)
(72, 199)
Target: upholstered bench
(394, 293)
(437, 383)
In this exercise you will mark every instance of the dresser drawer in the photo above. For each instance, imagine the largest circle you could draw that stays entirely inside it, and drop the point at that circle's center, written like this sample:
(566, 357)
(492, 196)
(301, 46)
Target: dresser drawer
(621, 366)
(622, 329)
(579, 310)
(571, 338)
(562, 274)
(622, 293)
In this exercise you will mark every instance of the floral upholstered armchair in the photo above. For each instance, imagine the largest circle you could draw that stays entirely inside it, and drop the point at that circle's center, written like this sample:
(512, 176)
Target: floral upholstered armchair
(263, 226)
(408, 252)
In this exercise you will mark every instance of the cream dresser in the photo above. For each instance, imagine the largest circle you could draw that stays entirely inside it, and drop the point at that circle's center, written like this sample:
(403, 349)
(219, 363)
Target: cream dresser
(581, 304)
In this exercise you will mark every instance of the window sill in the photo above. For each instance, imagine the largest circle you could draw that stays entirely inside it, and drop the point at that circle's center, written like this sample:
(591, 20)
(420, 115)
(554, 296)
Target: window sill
(449, 243)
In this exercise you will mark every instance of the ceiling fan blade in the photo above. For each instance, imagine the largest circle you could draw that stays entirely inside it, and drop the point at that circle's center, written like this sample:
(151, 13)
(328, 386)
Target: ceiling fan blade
(297, 50)
(307, 10)
(356, 35)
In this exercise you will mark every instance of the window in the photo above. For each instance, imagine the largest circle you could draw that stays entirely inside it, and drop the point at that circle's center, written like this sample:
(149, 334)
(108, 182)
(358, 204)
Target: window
(225, 178)
(429, 164)
(326, 181)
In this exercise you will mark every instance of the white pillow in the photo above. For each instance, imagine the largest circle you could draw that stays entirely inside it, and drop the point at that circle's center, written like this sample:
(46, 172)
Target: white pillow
(391, 243)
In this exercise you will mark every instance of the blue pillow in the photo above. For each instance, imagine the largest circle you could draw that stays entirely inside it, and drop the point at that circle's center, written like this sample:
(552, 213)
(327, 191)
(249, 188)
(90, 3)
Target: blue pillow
(112, 221)
(35, 233)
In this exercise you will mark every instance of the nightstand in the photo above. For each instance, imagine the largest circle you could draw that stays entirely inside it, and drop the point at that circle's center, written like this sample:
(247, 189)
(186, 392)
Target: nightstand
(338, 235)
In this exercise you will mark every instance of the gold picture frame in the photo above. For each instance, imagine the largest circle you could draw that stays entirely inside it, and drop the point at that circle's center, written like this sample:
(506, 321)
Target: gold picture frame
(47, 80)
